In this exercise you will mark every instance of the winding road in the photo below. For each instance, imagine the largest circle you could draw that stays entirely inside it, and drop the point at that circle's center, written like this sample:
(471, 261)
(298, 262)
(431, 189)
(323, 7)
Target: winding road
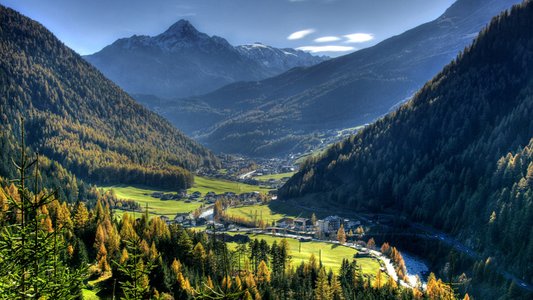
(427, 232)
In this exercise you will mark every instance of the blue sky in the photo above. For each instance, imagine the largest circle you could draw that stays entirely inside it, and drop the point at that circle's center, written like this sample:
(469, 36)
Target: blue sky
(330, 27)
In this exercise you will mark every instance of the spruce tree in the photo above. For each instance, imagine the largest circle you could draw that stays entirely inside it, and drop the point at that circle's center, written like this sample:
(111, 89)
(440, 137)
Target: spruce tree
(31, 249)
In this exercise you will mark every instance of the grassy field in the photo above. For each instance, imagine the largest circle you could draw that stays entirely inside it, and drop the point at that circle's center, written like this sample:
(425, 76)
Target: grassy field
(332, 255)
(156, 206)
(274, 176)
(272, 211)
(170, 208)
(204, 185)
(260, 210)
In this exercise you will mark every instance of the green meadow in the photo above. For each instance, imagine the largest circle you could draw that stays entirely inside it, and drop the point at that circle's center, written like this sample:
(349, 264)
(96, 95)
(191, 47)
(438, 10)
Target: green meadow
(158, 207)
(331, 254)
(274, 176)
(261, 211)
(219, 186)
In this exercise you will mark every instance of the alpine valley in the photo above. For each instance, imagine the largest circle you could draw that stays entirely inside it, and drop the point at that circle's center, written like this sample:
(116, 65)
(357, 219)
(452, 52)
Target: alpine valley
(179, 166)
(297, 110)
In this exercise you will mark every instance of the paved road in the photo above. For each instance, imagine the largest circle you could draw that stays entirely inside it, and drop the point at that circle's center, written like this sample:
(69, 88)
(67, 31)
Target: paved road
(246, 175)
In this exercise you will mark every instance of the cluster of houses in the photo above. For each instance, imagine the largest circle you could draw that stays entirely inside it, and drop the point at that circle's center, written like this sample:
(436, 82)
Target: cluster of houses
(328, 225)
(234, 166)
(185, 219)
(210, 197)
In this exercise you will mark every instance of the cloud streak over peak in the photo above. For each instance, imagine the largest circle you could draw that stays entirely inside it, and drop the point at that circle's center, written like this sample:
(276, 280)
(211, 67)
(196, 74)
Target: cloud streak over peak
(327, 48)
(327, 39)
(300, 34)
(359, 37)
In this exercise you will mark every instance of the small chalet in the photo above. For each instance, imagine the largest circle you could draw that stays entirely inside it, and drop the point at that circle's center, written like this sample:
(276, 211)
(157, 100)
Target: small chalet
(302, 224)
(285, 222)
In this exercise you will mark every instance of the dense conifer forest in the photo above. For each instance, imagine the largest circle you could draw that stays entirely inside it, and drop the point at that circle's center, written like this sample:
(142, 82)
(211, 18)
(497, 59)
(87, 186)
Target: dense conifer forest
(76, 117)
(458, 156)
(53, 250)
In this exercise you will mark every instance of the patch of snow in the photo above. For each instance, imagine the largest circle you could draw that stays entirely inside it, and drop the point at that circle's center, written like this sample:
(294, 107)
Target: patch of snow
(288, 53)
(258, 45)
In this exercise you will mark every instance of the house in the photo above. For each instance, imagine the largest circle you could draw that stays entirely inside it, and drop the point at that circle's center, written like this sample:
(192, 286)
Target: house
(351, 224)
(302, 224)
(323, 225)
(182, 194)
(285, 222)
(305, 239)
(181, 217)
(157, 194)
(217, 226)
(196, 194)
(273, 192)
(287, 169)
(210, 194)
(362, 253)
(334, 223)
(166, 197)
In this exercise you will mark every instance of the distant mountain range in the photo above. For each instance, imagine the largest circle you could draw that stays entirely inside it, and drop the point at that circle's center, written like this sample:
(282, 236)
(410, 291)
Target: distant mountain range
(183, 61)
(458, 156)
(80, 119)
(285, 113)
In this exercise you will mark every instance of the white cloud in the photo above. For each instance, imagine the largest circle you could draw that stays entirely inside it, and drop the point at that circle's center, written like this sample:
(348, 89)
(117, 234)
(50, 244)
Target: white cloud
(300, 34)
(329, 48)
(326, 39)
(359, 37)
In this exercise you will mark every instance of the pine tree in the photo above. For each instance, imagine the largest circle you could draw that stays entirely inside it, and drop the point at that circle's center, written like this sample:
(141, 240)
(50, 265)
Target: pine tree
(378, 284)
(263, 273)
(81, 215)
(371, 244)
(30, 253)
(341, 235)
(322, 290)
(136, 267)
(436, 289)
(336, 289)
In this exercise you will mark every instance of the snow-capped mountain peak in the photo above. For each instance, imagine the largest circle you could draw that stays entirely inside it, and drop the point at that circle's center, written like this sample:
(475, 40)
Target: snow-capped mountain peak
(183, 61)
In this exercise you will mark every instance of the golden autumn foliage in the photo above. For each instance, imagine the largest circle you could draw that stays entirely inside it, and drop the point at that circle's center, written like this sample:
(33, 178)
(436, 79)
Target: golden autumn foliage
(263, 273)
(438, 290)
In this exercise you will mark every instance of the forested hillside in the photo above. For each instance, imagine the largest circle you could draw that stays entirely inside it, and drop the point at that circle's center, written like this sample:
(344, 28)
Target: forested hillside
(458, 156)
(77, 117)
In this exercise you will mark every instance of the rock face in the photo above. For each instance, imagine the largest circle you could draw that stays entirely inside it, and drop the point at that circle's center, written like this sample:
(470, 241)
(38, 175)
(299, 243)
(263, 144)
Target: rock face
(183, 61)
